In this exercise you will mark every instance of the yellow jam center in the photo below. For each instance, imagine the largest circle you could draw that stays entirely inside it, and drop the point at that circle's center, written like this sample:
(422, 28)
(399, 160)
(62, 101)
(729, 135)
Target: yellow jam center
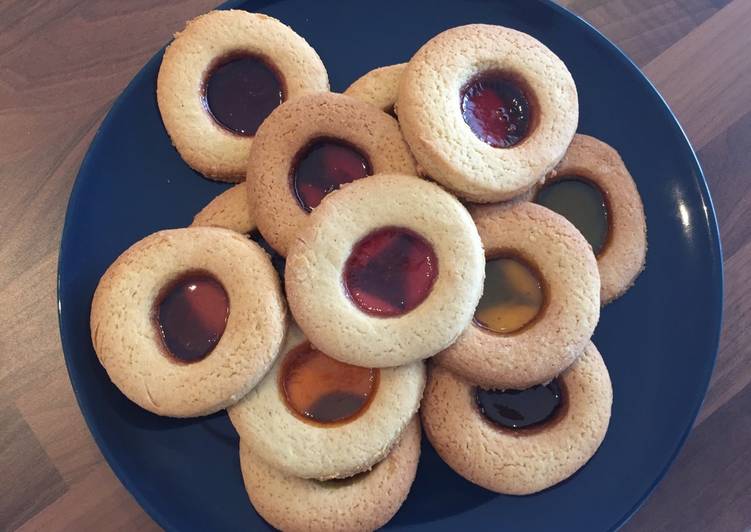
(513, 296)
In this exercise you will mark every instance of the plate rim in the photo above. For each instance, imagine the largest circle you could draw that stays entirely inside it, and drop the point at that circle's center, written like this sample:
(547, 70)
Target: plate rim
(74, 199)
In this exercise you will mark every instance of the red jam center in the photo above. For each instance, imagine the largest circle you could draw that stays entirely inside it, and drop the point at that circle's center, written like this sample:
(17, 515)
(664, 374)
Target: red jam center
(241, 91)
(496, 110)
(321, 389)
(390, 272)
(191, 315)
(322, 167)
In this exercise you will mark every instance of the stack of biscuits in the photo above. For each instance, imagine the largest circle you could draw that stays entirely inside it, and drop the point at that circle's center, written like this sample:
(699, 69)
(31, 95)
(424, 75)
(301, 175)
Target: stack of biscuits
(428, 250)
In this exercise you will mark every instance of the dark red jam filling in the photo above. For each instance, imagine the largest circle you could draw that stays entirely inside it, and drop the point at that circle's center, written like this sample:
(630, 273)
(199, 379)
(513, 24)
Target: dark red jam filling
(583, 204)
(241, 91)
(322, 167)
(521, 409)
(323, 390)
(496, 109)
(191, 315)
(390, 272)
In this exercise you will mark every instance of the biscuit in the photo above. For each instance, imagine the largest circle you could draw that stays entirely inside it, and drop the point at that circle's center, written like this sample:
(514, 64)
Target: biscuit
(208, 42)
(365, 502)
(127, 338)
(300, 448)
(519, 461)
(379, 87)
(329, 311)
(290, 131)
(432, 91)
(571, 284)
(230, 210)
(623, 255)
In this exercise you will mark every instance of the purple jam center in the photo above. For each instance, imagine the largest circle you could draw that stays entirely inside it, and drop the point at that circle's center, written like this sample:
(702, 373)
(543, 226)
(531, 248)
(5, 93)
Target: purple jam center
(520, 409)
(390, 272)
(322, 167)
(241, 92)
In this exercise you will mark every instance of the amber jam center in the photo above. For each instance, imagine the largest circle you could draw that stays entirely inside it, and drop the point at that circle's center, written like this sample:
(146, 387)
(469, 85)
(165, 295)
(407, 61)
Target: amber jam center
(390, 271)
(497, 109)
(191, 314)
(322, 167)
(325, 391)
(241, 90)
(583, 204)
(512, 298)
(521, 409)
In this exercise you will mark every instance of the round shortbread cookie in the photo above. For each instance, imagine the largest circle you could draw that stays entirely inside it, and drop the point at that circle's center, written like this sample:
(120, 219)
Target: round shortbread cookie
(571, 283)
(447, 149)
(379, 87)
(623, 255)
(316, 265)
(365, 502)
(300, 448)
(519, 461)
(292, 129)
(127, 338)
(207, 42)
(230, 210)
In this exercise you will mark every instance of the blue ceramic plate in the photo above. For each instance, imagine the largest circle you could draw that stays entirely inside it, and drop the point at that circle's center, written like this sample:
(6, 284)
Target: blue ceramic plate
(659, 340)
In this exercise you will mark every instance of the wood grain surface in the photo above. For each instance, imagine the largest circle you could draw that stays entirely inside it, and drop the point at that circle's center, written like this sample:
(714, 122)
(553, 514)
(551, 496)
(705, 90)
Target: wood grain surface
(62, 63)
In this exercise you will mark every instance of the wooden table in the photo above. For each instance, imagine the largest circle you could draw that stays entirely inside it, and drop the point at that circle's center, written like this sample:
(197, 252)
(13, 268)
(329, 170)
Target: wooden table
(61, 65)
